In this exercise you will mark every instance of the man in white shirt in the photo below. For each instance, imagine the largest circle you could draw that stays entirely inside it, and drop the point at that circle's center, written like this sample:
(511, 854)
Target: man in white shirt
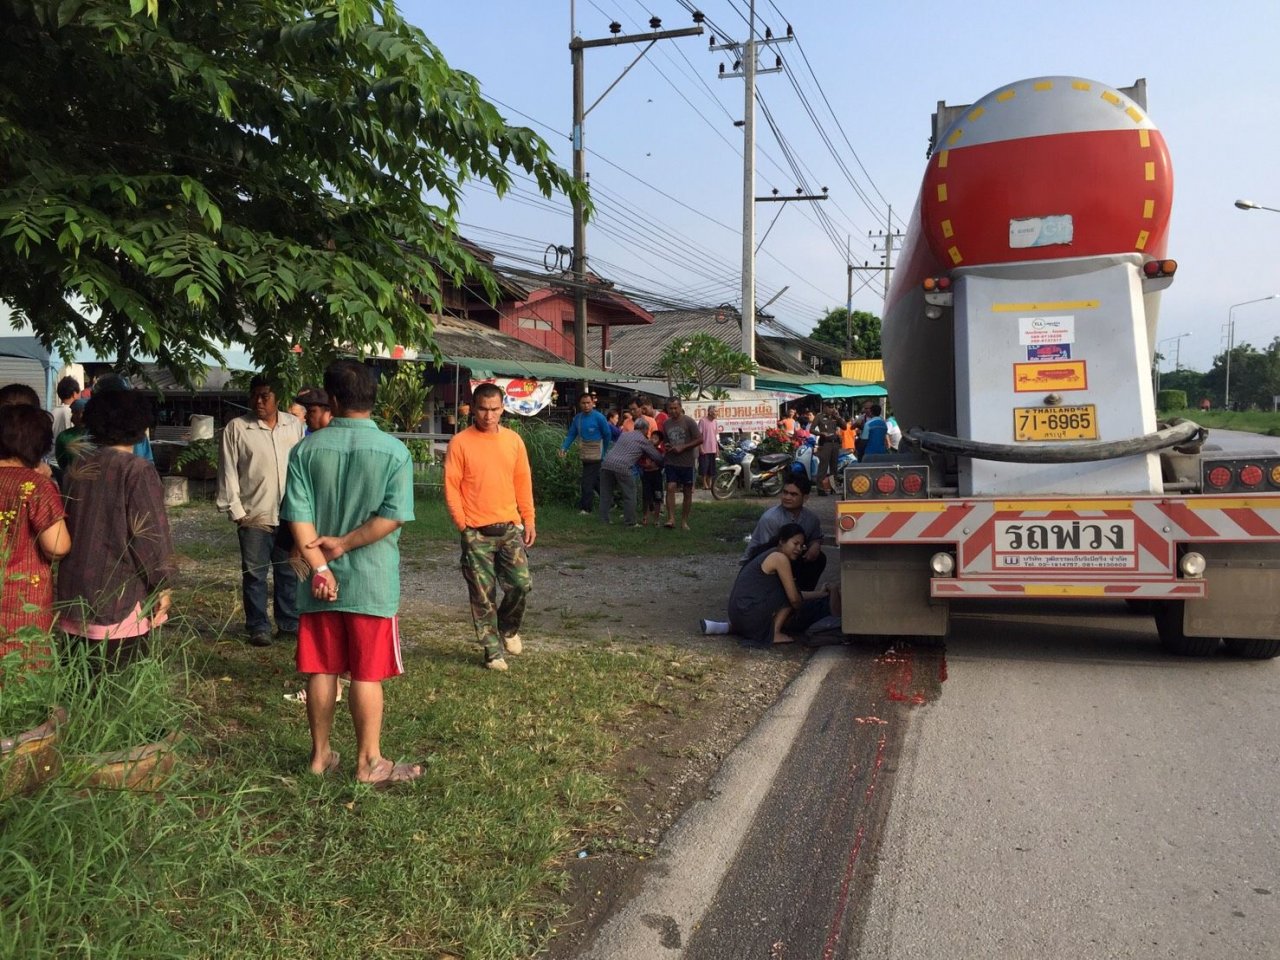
(68, 392)
(251, 481)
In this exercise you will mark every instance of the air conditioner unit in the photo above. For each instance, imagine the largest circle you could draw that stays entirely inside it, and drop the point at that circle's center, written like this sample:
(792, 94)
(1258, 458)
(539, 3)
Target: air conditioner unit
(608, 359)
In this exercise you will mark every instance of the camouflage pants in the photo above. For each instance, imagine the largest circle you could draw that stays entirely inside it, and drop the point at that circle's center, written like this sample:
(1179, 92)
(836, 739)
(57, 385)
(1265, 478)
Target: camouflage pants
(487, 562)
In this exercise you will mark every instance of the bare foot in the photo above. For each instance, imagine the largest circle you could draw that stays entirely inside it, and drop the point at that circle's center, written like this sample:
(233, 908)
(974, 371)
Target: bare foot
(781, 638)
(386, 773)
(684, 526)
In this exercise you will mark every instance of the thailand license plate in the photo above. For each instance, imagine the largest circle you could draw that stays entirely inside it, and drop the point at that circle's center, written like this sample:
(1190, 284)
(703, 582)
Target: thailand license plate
(1055, 423)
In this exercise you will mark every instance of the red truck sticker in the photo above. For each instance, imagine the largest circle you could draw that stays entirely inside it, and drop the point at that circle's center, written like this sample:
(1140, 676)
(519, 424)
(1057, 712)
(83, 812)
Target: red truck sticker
(1049, 351)
(1034, 377)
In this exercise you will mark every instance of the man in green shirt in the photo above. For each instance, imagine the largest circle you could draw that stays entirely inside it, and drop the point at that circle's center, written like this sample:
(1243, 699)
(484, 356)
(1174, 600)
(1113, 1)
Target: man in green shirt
(349, 490)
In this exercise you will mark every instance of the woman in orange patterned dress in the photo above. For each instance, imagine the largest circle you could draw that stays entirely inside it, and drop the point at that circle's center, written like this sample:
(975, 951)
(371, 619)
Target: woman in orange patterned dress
(33, 533)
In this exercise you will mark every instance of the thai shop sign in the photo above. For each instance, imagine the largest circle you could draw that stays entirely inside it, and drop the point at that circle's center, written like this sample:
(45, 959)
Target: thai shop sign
(749, 411)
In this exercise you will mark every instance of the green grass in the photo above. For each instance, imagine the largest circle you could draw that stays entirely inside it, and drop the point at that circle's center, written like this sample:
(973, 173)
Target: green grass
(715, 527)
(244, 854)
(1252, 421)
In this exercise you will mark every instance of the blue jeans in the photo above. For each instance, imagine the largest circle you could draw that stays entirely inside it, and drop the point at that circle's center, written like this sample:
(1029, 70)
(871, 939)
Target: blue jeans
(259, 552)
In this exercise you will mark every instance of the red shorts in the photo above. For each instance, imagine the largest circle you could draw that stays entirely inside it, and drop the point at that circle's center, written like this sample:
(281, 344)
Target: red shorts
(335, 641)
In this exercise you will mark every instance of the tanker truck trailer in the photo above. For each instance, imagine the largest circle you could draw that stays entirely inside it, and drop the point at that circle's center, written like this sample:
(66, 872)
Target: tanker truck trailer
(1018, 341)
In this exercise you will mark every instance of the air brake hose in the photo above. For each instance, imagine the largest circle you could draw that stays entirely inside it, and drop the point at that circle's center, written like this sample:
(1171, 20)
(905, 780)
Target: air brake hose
(1177, 433)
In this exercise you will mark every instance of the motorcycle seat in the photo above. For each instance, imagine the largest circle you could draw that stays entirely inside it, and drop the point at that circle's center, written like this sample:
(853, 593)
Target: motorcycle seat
(774, 459)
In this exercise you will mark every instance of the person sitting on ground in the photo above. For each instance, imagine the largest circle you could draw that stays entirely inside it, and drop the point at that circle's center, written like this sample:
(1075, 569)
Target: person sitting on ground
(33, 533)
(766, 606)
(807, 569)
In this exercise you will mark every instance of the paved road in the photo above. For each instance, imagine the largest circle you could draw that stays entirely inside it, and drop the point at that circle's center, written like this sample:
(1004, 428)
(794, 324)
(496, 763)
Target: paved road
(1047, 786)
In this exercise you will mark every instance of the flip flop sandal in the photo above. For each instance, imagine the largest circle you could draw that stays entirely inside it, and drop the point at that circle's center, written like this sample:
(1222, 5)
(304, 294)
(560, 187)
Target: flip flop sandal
(394, 774)
(331, 766)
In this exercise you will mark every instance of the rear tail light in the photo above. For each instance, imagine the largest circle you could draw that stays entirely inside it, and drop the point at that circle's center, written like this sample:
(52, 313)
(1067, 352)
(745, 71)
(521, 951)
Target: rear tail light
(1252, 474)
(892, 481)
(1219, 478)
(1160, 268)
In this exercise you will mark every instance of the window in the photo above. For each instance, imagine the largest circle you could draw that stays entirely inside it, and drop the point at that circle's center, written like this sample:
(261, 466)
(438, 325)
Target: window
(533, 323)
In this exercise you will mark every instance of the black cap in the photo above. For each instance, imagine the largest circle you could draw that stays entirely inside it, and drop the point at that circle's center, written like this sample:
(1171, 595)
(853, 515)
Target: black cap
(313, 397)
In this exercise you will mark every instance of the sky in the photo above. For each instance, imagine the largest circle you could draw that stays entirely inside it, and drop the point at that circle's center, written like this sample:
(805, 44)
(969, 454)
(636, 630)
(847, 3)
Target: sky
(665, 159)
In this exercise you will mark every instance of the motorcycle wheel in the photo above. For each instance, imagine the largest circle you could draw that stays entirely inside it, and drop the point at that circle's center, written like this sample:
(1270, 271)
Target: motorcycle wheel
(771, 485)
(723, 486)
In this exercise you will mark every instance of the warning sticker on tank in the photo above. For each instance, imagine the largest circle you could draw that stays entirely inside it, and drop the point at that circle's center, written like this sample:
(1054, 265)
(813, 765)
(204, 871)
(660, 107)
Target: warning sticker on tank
(1034, 377)
(1037, 331)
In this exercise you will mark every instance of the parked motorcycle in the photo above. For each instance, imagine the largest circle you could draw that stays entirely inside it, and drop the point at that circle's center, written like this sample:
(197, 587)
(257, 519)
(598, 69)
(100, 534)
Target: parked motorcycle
(738, 471)
(806, 460)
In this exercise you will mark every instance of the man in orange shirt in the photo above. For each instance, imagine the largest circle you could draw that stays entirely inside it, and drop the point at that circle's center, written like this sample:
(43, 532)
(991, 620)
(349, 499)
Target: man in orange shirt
(488, 487)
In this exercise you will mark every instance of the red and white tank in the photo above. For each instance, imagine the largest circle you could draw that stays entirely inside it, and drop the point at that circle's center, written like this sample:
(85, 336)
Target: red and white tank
(1048, 168)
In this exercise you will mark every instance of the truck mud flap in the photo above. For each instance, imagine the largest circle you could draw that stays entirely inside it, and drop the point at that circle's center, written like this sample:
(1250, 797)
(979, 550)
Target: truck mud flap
(885, 590)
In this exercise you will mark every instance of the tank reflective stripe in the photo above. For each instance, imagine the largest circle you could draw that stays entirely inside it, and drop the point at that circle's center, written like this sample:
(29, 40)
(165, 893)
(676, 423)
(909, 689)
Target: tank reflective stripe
(1046, 305)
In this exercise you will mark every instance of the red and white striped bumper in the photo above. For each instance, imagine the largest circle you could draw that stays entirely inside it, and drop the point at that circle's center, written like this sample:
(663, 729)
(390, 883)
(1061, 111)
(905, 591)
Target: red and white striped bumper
(1124, 547)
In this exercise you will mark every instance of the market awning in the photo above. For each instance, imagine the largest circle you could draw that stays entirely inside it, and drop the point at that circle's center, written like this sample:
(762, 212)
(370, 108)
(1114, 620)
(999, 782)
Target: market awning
(482, 367)
(820, 386)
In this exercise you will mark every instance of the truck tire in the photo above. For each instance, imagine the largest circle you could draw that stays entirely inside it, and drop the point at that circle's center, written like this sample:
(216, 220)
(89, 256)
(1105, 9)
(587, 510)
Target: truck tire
(1253, 648)
(1169, 625)
(1143, 608)
(723, 486)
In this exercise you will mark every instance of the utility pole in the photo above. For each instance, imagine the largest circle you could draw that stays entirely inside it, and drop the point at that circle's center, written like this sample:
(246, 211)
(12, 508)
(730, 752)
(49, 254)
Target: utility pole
(576, 47)
(750, 69)
(888, 235)
(848, 298)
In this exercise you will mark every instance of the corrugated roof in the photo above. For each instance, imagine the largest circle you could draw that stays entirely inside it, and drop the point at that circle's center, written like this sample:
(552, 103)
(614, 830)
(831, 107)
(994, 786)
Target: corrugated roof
(872, 370)
(636, 350)
(482, 367)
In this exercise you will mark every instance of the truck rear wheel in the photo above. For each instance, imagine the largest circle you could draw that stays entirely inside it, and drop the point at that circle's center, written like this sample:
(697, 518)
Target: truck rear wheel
(1253, 648)
(1169, 625)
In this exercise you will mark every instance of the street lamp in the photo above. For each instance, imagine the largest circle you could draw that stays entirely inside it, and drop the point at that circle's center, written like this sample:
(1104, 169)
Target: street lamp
(1231, 336)
(1177, 356)
(1250, 205)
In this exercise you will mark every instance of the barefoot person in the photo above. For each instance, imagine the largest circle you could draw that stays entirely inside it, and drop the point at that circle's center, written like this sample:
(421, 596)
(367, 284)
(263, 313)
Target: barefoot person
(349, 490)
(682, 441)
(765, 606)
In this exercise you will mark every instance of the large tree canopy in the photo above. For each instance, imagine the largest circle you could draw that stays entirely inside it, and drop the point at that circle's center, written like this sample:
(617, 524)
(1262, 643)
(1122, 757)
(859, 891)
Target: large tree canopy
(865, 329)
(261, 172)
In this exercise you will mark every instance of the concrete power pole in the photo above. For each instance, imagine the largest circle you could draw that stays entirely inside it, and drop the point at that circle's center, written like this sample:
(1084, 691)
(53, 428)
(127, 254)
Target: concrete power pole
(576, 47)
(888, 236)
(747, 60)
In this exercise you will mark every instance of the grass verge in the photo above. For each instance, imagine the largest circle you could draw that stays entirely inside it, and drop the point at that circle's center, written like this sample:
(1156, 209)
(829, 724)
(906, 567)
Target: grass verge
(244, 854)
